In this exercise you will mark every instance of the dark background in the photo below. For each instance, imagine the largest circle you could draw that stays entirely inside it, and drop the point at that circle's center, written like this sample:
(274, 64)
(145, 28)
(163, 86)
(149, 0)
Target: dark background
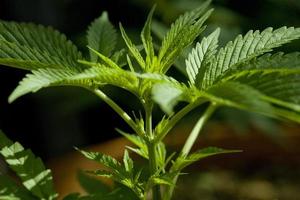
(53, 120)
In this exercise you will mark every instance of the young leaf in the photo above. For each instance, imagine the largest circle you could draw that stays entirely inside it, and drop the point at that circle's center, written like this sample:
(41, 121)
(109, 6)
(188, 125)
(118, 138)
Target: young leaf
(101, 37)
(119, 57)
(103, 159)
(182, 33)
(106, 60)
(23, 43)
(199, 58)
(135, 139)
(132, 48)
(245, 48)
(182, 162)
(164, 179)
(138, 141)
(31, 170)
(161, 154)
(123, 178)
(147, 38)
(128, 162)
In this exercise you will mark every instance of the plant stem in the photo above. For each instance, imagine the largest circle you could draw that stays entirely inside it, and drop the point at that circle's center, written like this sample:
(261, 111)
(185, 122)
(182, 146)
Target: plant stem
(118, 110)
(196, 130)
(151, 149)
(153, 169)
(190, 142)
(178, 116)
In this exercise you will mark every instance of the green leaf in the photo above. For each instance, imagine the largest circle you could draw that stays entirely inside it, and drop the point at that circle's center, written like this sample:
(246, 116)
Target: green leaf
(161, 154)
(167, 96)
(118, 172)
(101, 36)
(200, 57)
(181, 34)
(132, 48)
(106, 75)
(92, 185)
(106, 174)
(72, 196)
(241, 96)
(276, 76)
(42, 78)
(106, 60)
(30, 46)
(121, 193)
(23, 57)
(31, 170)
(281, 89)
(147, 38)
(123, 178)
(94, 76)
(119, 57)
(243, 49)
(9, 190)
(182, 162)
(274, 61)
(164, 179)
(142, 149)
(128, 162)
(277, 63)
(103, 159)
(135, 139)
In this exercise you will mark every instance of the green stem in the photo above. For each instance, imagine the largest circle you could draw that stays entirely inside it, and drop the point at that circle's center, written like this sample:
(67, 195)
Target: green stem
(153, 169)
(178, 116)
(191, 141)
(151, 149)
(196, 130)
(118, 110)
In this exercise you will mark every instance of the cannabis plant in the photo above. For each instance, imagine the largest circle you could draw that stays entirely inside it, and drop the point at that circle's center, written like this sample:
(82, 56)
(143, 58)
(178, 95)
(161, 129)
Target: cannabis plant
(242, 74)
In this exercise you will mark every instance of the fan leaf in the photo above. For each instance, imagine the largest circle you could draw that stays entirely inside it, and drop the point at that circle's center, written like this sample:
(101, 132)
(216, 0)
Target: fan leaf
(181, 34)
(23, 42)
(244, 49)
(106, 75)
(200, 57)
(277, 76)
(101, 36)
(12, 191)
(42, 78)
(241, 96)
(30, 169)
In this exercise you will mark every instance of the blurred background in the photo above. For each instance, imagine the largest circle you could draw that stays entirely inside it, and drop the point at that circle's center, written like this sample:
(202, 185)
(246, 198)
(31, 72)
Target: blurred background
(53, 120)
